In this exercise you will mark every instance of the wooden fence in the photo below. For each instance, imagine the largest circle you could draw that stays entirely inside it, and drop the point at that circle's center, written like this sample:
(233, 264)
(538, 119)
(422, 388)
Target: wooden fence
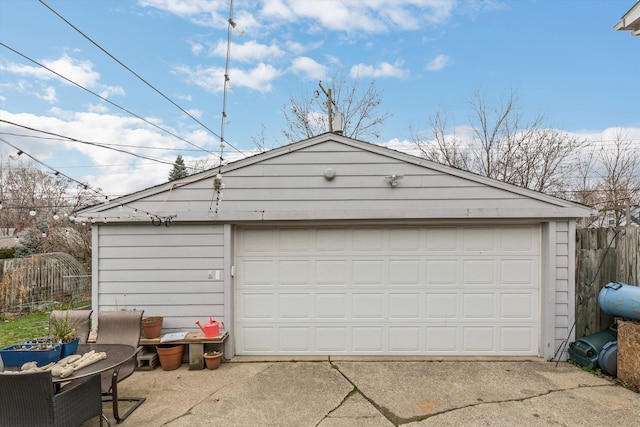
(603, 255)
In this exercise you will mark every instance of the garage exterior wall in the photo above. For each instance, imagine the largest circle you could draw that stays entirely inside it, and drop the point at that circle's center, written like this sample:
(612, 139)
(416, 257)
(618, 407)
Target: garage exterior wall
(177, 272)
(558, 283)
(184, 273)
(166, 270)
(290, 185)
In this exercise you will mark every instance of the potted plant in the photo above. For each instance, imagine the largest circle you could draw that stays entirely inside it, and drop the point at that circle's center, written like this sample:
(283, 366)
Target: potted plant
(152, 326)
(65, 331)
(212, 359)
(40, 350)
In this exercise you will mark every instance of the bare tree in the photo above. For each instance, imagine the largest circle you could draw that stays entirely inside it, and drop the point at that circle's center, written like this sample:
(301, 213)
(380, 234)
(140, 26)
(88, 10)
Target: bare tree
(584, 186)
(308, 115)
(37, 206)
(260, 141)
(445, 148)
(497, 144)
(203, 164)
(619, 177)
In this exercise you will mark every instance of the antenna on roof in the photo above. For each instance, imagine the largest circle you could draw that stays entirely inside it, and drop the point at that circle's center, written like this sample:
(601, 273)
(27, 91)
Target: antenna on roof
(334, 121)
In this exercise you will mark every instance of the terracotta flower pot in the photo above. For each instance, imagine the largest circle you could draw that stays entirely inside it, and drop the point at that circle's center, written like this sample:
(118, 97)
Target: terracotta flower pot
(213, 361)
(170, 356)
(152, 326)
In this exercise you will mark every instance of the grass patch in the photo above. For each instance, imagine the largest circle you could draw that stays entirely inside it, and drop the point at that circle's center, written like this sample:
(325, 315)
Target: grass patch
(34, 325)
(24, 328)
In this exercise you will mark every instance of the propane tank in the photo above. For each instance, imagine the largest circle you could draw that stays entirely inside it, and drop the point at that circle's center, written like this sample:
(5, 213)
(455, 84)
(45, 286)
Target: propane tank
(620, 300)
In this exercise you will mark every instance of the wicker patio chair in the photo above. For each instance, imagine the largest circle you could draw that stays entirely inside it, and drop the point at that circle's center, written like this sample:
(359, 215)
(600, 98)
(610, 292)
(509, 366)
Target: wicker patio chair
(81, 318)
(120, 327)
(28, 399)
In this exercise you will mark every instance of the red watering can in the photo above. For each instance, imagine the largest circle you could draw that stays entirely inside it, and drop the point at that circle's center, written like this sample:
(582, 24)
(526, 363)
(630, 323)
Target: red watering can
(211, 328)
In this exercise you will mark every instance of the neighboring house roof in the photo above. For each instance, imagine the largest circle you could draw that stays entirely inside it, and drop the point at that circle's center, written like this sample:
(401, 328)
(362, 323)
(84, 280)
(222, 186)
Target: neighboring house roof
(630, 21)
(634, 216)
(291, 183)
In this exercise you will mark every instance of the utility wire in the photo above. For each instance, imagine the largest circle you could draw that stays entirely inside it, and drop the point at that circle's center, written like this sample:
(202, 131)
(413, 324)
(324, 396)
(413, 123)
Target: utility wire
(230, 26)
(95, 144)
(56, 172)
(154, 218)
(103, 144)
(136, 74)
(105, 99)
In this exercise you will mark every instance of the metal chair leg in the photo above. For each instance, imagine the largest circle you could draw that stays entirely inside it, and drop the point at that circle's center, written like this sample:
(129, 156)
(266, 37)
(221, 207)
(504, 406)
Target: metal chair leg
(113, 397)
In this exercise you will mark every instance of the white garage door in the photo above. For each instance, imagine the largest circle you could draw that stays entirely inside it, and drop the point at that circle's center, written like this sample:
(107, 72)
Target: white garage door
(388, 290)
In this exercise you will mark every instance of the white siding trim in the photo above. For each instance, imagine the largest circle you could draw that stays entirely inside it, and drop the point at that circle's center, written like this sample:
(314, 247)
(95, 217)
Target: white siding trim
(95, 258)
(558, 292)
(548, 290)
(229, 301)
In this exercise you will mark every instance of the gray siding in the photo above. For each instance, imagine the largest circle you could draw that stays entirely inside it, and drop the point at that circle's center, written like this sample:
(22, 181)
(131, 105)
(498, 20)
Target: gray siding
(558, 287)
(290, 185)
(165, 270)
(176, 272)
(565, 284)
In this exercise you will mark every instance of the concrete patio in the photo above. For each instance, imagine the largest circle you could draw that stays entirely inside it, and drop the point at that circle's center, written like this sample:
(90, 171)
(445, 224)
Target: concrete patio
(378, 392)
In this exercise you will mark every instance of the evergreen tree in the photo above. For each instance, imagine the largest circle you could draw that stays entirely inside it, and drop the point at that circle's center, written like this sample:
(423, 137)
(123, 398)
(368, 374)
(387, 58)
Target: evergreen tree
(179, 169)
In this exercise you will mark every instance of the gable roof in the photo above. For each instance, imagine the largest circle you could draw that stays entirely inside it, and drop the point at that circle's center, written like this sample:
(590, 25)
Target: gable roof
(290, 182)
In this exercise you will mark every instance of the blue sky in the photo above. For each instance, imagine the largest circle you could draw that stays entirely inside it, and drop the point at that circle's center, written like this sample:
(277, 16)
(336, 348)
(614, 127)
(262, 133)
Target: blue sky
(563, 58)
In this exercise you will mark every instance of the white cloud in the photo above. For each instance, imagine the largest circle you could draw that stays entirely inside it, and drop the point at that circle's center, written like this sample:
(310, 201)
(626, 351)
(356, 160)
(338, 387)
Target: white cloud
(295, 47)
(80, 72)
(384, 69)
(195, 113)
(258, 78)
(73, 70)
(199, 12)
(438, 63)
(211, 79)
(100, 167)
(250, 51)
(107, 91)
(347, 16)
(299, 48)
(404, 146)
(309, 68)
(49, 95)
(351, 16)
(98, 108)
(197, 48)
(25, 70)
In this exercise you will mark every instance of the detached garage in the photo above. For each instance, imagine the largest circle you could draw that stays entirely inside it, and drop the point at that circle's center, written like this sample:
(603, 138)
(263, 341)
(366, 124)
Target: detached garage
(333, 246)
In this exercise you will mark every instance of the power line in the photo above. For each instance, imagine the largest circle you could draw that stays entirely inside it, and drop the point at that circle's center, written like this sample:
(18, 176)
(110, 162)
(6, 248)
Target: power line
(139, 77)
(103, 144)
(56, 172)
(104, 99)
(95, 144)
(154, 218)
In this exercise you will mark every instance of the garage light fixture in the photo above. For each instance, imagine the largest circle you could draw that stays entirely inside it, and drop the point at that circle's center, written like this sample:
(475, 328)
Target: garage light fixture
(392, 180)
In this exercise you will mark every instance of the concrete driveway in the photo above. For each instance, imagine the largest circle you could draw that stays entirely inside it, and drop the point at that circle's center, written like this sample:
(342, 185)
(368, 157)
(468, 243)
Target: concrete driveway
(378, 392)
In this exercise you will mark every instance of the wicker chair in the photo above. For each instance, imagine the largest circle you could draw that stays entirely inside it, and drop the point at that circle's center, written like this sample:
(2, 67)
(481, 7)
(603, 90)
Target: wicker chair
(81, 318)
(28, 400)
(120, 327)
